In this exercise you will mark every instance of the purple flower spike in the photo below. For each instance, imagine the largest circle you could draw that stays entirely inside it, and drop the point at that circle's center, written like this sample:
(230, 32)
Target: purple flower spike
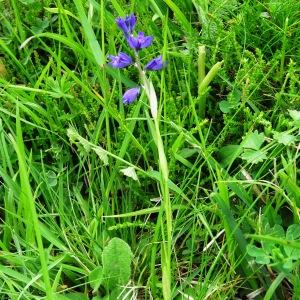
(139, 42)
(127, 24)
(122, 60)
(155, 64)
(131, 95)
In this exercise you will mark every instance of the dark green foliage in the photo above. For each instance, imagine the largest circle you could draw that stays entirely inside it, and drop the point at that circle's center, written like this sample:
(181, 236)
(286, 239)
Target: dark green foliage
(234, 175)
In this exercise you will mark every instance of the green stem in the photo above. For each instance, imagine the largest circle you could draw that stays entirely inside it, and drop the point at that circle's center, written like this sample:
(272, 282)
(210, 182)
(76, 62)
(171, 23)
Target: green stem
(166, 212)
(201, 66)
(166, 202)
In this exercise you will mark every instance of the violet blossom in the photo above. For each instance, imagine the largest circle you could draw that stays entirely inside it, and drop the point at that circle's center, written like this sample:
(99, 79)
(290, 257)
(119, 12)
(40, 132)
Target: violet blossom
(139, 42)
(122, 60)
(131, 95)
(155, 64)
(127, 24)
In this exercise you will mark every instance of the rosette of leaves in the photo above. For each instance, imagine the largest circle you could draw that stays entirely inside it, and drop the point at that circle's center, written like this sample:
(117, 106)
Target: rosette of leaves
(280, 249)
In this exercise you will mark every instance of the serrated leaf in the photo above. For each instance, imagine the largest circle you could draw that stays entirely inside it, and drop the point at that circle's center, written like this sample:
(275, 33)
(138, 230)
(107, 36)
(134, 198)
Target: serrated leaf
(284, 138)
(253, 156)
(101, 154)
(116, 261)
(295, 115)
(130, 172)
(75, 137)
(96, 278)
(254, 140)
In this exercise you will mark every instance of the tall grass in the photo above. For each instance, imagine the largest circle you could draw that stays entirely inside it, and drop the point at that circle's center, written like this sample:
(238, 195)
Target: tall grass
(205, 193)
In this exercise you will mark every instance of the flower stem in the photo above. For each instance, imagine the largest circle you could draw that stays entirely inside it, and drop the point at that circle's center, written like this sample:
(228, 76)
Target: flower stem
(166, 202)
(166, 212)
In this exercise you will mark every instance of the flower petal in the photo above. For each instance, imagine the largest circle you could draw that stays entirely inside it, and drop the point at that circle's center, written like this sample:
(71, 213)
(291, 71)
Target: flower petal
(122, 60)
(140, 41)
(155, 64)
(126, 24)
(147, 41)
(131, 95)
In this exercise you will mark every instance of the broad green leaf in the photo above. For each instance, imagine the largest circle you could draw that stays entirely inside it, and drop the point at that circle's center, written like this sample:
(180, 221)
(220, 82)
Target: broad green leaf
(116, 260)
(284, 138)
(292, 233)
(288, 265)
(253, 156)
(229, 153)
(225, 106)
(96, 278)
(52, 178)
(277, 232)
(254, 140)
(263, 260)
(255, 251)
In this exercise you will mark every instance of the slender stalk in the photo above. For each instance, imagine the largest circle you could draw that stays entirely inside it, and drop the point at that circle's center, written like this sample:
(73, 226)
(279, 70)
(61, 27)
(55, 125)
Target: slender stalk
(201, 76)
(166, 246)
(201, 65)
(166, 202)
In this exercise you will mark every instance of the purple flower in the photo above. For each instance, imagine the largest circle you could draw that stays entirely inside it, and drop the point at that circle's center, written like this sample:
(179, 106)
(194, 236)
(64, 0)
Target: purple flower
(127, 24)
(131, 95)
(139, 42)
(155, 64)
(122, 60)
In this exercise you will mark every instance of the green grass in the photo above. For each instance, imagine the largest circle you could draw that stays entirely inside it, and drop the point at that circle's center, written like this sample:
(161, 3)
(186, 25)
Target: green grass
(101, 201)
